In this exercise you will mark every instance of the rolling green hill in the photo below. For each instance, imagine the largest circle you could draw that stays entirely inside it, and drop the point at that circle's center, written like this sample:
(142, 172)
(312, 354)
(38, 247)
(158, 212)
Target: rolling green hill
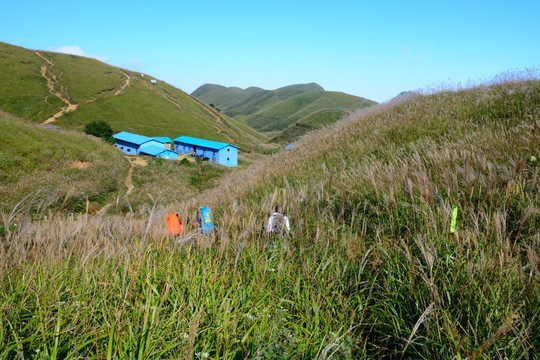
(72, 91)
(60, 168)
(273, 111)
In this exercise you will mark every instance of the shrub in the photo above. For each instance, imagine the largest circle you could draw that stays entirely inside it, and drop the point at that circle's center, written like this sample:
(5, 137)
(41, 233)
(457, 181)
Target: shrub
(99, 129)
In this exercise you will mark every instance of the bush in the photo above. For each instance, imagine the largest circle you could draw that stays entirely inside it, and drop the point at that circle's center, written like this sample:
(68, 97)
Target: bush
(185, 162)
(99, 129)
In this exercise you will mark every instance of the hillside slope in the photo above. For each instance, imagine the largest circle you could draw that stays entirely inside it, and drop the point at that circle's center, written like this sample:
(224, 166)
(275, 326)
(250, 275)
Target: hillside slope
(72, 91)
(272, 111)
(63, 169)
(54, 170)
(373, 196)
(369, 270)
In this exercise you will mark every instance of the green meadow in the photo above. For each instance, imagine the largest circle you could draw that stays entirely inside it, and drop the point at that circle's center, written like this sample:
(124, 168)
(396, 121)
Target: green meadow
(369, 270)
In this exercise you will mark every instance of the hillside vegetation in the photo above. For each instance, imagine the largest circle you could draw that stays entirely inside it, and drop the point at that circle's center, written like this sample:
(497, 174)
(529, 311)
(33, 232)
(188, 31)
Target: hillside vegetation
(57, 169)
(370, 269)
(45, 170)
(72, 91)
(272, 111)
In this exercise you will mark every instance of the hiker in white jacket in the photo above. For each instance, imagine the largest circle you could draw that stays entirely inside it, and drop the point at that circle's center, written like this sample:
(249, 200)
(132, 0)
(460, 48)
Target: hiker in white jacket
(278, 224)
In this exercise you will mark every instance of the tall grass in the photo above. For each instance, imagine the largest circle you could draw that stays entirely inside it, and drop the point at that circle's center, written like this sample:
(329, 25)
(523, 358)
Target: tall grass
(370, 269)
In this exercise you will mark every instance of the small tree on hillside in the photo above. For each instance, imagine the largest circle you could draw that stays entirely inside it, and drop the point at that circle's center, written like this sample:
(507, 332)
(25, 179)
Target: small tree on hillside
(99, 129)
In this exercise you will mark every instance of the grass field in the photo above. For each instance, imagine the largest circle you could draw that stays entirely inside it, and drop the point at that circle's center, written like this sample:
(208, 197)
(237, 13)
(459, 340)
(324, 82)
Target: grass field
(126, 100)
(23, 91)
(64, 170)
(370, 269)
(311, 122)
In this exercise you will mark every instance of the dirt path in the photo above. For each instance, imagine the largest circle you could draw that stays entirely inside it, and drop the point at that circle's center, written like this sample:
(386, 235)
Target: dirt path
(135, 161)
(56, 88)
(123, 87)
(52, 85)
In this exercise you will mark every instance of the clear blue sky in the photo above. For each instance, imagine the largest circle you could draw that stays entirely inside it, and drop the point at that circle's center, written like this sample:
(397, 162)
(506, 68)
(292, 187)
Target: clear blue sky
(373, 49)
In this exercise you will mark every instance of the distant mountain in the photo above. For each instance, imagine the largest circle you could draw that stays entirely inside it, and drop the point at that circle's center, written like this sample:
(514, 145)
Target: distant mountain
(71, 91)
(273, 111)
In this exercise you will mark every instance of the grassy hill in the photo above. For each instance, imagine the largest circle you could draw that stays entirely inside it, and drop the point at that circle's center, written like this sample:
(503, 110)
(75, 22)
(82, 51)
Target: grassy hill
(273, 111)
(47, 170)
(311, 122)
(371, 257)
(63, 169)
(38, 85)
(370, 268)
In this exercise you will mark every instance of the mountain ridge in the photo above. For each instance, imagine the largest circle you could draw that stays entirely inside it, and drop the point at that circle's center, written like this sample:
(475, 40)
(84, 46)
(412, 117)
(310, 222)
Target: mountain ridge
(273, 111)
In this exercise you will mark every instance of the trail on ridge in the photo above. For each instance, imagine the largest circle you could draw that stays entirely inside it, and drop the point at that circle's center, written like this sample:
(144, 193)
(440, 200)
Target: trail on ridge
(52, 85)
(57, 89)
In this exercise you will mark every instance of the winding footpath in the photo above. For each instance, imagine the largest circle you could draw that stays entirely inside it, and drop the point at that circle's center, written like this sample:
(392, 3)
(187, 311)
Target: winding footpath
(56, 88)
(52, 85)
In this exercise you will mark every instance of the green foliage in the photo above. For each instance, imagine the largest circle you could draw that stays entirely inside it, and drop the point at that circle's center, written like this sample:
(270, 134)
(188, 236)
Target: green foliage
(203, 175)
(185, 162)
(100, 129)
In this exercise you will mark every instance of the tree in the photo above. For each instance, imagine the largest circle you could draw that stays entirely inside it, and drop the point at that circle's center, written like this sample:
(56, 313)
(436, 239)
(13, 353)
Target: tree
(99, 129)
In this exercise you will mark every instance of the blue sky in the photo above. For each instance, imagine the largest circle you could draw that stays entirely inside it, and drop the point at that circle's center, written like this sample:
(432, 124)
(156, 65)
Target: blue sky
(374, 49)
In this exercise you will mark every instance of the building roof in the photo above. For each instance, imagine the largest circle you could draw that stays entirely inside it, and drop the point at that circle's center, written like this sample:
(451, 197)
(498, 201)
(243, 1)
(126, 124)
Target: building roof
(163, 139)
(154, 150)
(134, 138)
(201, 142)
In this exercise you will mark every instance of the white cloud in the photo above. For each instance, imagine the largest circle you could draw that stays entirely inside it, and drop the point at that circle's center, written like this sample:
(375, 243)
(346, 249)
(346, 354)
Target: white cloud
(76, 50)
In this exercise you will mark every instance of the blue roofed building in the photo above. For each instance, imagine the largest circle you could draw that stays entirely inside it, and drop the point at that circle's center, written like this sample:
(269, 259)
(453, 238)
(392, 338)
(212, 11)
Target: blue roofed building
(159, 152)
(133, 144)
(166, 140)
(217, 152)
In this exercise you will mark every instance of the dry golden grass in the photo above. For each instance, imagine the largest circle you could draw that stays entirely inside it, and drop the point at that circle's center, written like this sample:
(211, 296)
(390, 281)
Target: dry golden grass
(370, 269)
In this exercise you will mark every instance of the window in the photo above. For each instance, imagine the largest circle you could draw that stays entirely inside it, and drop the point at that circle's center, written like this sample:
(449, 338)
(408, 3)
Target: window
(121, 147)
(228, 149)
(228, 159)
(128, 150)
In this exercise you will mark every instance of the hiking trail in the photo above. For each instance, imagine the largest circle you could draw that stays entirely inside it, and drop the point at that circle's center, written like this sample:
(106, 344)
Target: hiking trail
(123, 87)
(134, 161)
(53, 84)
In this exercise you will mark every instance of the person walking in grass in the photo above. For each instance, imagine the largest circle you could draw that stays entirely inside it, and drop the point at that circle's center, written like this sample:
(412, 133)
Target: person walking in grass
(277, 227)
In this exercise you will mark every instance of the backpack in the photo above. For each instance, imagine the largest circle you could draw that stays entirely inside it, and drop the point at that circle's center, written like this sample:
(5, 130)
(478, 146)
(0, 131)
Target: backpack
(174, 226)
(279, 227)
